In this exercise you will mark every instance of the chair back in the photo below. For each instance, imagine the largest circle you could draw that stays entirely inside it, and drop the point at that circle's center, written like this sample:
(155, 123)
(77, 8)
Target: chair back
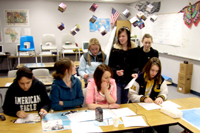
(48, 38)
(68, 37)
(84, 94)
(24, 39)
(41, 72)
(12, 73)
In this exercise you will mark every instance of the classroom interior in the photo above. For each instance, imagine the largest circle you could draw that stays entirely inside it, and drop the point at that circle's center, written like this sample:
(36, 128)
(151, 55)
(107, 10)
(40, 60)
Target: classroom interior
(44, 17)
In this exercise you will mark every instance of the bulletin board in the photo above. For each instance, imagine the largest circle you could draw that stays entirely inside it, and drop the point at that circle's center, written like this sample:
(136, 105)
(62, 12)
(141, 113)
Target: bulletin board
(173, 37)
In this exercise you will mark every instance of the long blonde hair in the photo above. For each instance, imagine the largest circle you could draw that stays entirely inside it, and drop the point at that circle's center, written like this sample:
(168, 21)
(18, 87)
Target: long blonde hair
(94, 41)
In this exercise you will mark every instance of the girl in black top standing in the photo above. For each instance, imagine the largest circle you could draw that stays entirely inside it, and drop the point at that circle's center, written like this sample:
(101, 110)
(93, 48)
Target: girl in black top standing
(146, 51)
(124, 60)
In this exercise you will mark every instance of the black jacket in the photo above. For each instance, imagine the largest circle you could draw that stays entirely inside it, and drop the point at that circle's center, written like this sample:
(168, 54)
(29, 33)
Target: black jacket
(145, 57)
(34, 99)
(154, 94)
(124, 60)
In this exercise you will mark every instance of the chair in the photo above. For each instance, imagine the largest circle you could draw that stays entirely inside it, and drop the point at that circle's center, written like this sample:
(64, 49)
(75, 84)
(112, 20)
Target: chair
(24, 39)
(48, 43)
(12, 73)
(84, 94)
(68, 43)
(41, 72)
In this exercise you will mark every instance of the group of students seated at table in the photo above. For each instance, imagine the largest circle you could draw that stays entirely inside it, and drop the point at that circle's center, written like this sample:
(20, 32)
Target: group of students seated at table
(105, 89)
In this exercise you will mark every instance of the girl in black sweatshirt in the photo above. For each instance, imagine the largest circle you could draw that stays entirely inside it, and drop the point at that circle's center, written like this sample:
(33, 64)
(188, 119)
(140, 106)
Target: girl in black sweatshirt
(26, 94)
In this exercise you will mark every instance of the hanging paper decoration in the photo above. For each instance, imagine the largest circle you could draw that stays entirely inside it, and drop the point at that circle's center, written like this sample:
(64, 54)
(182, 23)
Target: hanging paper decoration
(147, 7)
(60, 26)
(126, 13)
(191, 14)
(153, 18)
(62, 7)
(76, 29)
(140, 24)
(102, 30)
(93, 19)
(134, 21)
(93, 7)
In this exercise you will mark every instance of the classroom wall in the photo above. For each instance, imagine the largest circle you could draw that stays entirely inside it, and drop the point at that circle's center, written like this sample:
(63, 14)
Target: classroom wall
(44, 17)
(171, 64)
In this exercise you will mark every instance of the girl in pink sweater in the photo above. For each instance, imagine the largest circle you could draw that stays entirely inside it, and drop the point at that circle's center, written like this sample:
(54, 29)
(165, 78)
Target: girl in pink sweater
(101, 90)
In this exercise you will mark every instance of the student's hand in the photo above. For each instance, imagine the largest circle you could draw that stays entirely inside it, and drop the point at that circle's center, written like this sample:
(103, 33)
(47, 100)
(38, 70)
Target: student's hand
(105, 86)
(135, 75)
(86, 76)
(120, 72)
(113, 106)
(42, 112)
(159, 100)
(21, 114)
(148, 100)
(61, 103)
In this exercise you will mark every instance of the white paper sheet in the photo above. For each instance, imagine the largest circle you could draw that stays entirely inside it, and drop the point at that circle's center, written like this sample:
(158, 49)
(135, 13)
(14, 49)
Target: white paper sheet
(149, 106)
(133, 121)
(130, 83)
(84, 127)
(82, 116)
(8, 84)
(123, 112)
(31, 118)
(170, 104)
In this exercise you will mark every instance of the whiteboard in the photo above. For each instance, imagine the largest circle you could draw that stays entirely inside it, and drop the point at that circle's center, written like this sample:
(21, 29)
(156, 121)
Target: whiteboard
(172, 36)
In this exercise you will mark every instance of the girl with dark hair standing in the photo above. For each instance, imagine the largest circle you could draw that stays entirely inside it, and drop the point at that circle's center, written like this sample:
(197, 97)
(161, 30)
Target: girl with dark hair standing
(101, 90)
(124, 61)
(66, 90)
(26, 94)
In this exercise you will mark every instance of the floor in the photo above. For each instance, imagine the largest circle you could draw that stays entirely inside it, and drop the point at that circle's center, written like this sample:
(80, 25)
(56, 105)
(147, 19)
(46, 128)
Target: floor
(173, 94)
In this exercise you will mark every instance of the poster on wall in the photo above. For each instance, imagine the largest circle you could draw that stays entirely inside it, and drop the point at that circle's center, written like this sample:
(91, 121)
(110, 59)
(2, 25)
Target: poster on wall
(12, 35)
(94, 27)
(1, 39)
(17, 17)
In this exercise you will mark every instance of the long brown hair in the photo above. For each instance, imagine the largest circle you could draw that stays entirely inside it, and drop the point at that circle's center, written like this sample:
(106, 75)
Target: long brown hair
(60, 67)
(94, 41)
(147, 68)
(122, 29)
(98, 73)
